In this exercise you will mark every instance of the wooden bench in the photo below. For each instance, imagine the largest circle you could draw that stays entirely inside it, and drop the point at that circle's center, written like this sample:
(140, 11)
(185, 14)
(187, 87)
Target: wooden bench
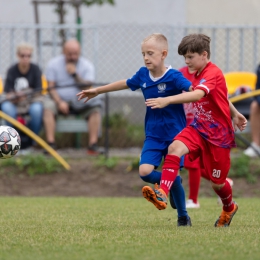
(71, 124)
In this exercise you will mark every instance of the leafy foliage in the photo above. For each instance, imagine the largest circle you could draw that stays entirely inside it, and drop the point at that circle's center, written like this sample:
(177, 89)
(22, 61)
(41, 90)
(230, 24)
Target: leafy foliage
(33, 164)
(244, 167)
(109, 163)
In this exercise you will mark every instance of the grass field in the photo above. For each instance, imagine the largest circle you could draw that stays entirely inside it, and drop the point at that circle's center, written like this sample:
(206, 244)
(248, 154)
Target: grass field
(123, 228)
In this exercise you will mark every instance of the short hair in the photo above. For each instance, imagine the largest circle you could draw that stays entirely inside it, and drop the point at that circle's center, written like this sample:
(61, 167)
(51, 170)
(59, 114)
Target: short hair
(194, 43)
(159, 38)
(24, 45)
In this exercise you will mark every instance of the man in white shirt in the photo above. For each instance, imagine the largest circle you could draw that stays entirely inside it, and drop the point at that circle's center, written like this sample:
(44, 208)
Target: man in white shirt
(68, 72)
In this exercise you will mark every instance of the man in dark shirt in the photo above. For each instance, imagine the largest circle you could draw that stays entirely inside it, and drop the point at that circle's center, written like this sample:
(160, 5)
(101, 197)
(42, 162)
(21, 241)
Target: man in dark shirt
(254, 149)
(22, 77)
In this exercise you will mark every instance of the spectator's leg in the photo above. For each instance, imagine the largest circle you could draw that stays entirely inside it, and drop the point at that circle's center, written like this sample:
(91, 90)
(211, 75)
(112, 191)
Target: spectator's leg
(49, 125)
(94, 122)
(10, 109)
(255, 122)
(36, 113)
(49, 121)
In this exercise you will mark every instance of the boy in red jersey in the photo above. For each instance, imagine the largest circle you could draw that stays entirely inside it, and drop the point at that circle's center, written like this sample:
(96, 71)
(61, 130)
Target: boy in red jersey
(194, 168)
(210, 136)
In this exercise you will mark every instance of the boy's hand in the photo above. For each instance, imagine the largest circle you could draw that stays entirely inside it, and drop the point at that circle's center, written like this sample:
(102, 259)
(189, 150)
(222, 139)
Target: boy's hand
(157, 102)
(239, 121)
(88, 94)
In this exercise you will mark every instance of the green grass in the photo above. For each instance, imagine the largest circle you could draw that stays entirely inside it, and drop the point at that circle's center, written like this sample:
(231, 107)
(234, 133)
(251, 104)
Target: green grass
(122, 228)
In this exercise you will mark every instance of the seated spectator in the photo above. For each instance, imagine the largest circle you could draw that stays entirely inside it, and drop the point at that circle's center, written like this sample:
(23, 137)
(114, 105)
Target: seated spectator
(69, 72)
(22, 78)
(254, 149)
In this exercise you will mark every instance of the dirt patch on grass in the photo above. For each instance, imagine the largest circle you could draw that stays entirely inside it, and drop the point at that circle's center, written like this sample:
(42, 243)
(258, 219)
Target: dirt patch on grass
(87, 179)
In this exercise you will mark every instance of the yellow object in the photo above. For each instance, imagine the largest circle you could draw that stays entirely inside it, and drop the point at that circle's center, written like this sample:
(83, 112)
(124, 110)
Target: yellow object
(244, 96)
(238, 79)
(44, 85)
(1, 86)
(36, 138)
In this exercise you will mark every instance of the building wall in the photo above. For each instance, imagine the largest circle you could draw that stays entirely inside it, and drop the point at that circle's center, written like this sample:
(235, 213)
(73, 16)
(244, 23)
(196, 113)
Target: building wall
(125, 11)
(142, 12)
(223, 12)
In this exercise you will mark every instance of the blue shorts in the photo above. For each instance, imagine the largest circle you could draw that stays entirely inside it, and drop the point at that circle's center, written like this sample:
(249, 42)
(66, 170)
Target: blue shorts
(154, 151)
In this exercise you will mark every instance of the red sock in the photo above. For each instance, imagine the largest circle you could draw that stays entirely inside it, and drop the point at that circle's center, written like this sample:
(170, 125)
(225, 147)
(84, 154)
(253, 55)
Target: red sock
(194, 184)
(170, 170)
(225, 195)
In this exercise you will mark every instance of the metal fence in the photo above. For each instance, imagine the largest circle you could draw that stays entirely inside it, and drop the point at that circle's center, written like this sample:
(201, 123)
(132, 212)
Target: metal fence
(116, 54)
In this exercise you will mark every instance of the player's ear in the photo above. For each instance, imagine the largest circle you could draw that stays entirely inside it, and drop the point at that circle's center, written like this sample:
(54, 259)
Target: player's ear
(205, 54)
(164, 54)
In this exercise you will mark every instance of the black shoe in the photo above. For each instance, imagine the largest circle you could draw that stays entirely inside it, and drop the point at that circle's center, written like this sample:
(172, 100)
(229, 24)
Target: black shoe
(184, 221)
(52, 145)
(94, 150)
(172, 202)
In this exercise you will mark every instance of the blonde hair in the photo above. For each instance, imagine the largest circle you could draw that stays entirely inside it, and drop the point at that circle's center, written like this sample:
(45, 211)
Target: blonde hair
(158, 38)
(24, 46)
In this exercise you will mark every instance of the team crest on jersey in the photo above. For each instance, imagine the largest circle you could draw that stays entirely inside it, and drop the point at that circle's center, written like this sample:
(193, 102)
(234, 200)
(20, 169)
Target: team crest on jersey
(161, 87)
(202, 81)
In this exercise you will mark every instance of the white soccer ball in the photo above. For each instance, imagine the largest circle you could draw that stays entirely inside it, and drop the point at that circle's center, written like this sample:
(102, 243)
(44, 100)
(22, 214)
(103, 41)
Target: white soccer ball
(10, 142)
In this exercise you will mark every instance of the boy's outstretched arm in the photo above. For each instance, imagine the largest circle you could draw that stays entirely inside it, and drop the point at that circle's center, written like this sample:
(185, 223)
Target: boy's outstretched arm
(93, 92)
(186, 97)
(239, 120)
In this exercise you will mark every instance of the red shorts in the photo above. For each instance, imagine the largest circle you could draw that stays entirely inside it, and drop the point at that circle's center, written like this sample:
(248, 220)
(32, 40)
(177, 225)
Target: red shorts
(215, 160)
(188, 164)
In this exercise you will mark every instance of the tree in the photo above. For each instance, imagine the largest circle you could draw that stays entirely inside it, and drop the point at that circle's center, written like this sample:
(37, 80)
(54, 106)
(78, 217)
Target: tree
(60, 9)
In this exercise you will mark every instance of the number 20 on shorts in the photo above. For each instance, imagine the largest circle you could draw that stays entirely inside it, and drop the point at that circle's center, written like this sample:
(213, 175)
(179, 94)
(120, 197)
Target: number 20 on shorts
(216, 173)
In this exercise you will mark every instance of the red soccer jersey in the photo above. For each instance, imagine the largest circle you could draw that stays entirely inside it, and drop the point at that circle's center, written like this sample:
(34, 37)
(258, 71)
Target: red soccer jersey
(212, 114)
(188, 107)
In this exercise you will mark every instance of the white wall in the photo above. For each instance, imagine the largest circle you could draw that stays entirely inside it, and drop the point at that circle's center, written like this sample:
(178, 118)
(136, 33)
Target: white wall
(125, 11)
(241, 12)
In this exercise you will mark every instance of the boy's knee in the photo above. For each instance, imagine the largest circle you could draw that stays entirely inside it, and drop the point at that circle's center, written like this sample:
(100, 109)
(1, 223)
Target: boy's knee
(217, 186)
(145, 169)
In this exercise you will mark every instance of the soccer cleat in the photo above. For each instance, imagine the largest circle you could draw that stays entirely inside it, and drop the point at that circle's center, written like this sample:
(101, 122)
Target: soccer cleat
(225, 218)
(184, 221)
(191, 205)
(156, 196)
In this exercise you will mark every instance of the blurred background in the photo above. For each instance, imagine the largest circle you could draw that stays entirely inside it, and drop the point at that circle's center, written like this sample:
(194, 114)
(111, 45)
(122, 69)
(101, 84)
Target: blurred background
(110, 33)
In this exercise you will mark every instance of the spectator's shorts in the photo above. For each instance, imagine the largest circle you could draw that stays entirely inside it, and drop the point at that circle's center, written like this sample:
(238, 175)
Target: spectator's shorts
(51, 105)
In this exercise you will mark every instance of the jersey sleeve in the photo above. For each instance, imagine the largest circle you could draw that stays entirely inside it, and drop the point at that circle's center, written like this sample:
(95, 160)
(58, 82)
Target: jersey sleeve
(207, 84)
(181, 82)
(134, 82)
(50, 72)
(37, 84)
(9, 82)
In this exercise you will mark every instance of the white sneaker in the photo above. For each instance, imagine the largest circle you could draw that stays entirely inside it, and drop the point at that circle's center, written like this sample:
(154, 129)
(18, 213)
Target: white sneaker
(231, 184)
(251, 152)
(191, 205)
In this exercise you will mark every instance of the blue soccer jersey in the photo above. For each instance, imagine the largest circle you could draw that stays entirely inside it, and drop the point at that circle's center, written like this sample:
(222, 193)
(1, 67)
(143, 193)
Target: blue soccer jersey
(162, 124)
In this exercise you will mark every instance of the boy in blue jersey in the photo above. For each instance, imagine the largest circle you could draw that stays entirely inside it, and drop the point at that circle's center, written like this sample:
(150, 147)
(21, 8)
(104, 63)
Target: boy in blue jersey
(161, 125)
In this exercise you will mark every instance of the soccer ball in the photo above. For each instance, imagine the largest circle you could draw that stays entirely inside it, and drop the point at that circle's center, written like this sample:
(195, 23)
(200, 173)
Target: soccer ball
(10, 142)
